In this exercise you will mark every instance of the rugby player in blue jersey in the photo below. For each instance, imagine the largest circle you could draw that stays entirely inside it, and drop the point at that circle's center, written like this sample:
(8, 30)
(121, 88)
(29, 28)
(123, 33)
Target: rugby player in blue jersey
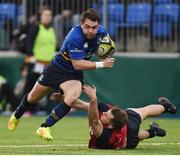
(66, 70)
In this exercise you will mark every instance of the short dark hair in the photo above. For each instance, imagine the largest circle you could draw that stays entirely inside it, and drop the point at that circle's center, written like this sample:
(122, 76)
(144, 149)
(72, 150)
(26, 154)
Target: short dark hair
(45, 7)
(120, 118)
(90, 14)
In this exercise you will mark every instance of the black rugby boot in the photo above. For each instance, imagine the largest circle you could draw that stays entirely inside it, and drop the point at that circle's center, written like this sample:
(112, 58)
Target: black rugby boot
(157, 131)
(169, 107)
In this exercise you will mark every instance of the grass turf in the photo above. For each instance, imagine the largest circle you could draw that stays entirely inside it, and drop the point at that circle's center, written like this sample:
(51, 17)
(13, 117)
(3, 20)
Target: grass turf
(71, 137)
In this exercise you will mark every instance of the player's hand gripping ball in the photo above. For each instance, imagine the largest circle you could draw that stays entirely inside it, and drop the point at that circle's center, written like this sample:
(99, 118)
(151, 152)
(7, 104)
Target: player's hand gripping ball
(106, 48)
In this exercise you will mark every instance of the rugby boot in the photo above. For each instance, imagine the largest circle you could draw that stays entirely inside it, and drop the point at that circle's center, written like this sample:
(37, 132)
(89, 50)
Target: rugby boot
(157, 130)
(45, 133)
(13, 123)
(169, 107)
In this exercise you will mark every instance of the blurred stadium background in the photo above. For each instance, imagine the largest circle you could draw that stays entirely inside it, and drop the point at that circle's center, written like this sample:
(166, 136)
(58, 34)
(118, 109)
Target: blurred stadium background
(147, 37)
(136, 25)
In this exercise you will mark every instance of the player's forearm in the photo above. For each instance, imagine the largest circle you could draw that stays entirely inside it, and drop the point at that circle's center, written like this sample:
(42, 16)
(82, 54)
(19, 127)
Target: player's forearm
(89, 65)
(83, 65)
(93, 114)
(93, 117)
(81, 105)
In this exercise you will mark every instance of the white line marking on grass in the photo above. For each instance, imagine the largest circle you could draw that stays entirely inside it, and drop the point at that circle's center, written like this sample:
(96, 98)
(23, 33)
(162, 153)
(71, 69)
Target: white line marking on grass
(59, 145)
(81, 145)
(161, 143)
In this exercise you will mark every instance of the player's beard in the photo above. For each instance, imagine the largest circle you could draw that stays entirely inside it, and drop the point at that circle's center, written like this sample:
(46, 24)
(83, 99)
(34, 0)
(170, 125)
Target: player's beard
(90, 36)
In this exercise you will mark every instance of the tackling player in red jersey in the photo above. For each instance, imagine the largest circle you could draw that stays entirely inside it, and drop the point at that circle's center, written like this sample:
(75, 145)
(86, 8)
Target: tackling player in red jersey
(108, 129)
(112, 127)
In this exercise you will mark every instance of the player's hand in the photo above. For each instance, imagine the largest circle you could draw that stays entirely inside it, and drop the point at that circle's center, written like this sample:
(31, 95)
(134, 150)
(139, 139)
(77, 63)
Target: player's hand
(90, 91)
(108, 62)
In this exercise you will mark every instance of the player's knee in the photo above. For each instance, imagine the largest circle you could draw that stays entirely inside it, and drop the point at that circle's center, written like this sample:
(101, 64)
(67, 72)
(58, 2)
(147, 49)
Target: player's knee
(145, 112)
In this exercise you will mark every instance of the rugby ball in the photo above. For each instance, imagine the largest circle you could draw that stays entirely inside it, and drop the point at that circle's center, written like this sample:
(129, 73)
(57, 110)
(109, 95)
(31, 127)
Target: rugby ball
(106, 48)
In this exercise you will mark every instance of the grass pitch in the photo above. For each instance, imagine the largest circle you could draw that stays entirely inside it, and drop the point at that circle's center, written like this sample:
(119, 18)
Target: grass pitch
(71, 137)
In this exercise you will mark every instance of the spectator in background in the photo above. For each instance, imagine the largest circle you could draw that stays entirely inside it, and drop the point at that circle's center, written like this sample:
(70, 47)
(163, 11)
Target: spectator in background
(7, 95)
(19, 88)
(41, 48)
(20, 35)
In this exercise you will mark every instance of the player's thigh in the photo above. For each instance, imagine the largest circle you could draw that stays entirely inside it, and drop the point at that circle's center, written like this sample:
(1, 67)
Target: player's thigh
(71, 88)
(38, 92)
(143, 112)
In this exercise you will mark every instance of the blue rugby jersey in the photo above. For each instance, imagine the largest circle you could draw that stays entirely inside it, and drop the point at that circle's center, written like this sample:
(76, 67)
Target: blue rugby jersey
(77, 47)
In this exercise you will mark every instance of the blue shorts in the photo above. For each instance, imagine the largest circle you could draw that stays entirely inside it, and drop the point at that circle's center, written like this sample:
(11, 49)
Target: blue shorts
(52, 76)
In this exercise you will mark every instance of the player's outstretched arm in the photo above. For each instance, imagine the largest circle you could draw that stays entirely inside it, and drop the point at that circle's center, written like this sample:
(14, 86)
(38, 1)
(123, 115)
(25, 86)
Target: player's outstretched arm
(93, 114)
(78, 104)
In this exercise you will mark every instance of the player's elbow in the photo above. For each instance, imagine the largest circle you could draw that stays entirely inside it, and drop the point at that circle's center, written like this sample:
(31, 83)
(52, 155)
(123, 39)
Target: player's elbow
(77, 65)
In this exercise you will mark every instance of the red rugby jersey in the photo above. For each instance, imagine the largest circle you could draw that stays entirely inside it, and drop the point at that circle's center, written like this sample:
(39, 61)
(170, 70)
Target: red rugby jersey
(117, 139)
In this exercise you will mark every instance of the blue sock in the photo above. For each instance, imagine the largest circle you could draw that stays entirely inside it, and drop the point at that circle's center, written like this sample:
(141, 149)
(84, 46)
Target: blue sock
(57, 113)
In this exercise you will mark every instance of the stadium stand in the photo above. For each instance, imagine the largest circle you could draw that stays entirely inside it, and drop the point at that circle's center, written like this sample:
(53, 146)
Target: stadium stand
(138, 14)
(163, 1)
(8, 10)
(115, 17)
(152, 18)
(165, 17)
(167, 9)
